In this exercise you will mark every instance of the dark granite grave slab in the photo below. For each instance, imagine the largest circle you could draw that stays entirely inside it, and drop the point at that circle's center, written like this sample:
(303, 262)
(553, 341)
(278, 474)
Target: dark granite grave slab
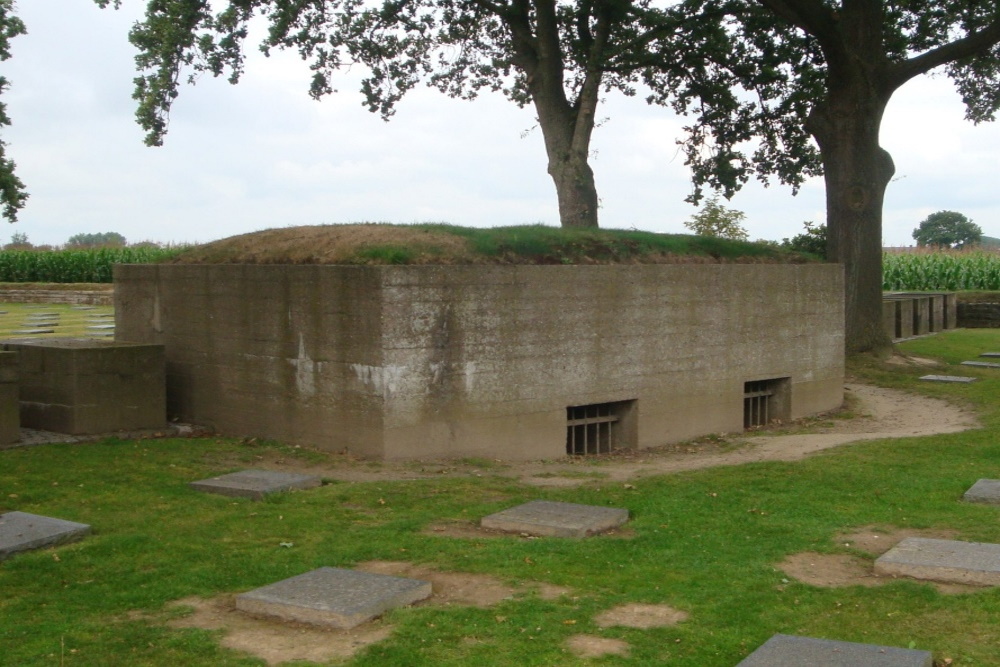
(984, 491)
(552, 519)
(33, 332)
(255, 484)
(20, 531)
(792, 651)
(948, 378)
(333, 597)
(981, 364)
(943, 560)
(990, 355)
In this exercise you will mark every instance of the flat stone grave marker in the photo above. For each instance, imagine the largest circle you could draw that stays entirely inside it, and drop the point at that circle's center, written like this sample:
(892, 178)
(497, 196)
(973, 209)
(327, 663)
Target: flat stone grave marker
(948, 378)
(255, 484)
(981, 364)
(333, 597)
(32, 332)
(100, 327)
(20, 531)
(792, 651)
(984, 491)
(82, 308)
(992, 355)
(554, 519)
(951, 561)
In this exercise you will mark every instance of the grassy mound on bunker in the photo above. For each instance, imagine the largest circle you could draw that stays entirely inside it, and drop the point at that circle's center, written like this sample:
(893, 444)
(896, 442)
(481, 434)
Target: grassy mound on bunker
(377, 243)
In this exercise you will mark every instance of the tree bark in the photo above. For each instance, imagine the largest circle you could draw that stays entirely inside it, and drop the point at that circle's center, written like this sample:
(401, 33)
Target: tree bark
(857, 171)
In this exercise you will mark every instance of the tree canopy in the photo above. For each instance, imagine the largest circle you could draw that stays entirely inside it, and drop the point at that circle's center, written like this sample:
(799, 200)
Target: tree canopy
(714, 219)
(12, 192)
(801, 87)
(947, 228)
(95, 240)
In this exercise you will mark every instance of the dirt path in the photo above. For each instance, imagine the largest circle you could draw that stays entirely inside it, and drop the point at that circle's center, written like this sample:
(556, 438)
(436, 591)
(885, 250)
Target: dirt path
(883, 413)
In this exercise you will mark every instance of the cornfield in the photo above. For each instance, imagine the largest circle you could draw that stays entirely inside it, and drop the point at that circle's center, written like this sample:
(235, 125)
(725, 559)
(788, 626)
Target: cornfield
(73, 266)
(941, 270)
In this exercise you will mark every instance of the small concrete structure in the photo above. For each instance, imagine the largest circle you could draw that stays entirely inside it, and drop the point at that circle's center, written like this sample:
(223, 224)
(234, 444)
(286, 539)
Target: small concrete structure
(552, 519)
(504, 362)
(793, 651)
(981, 364)
(333, 597)
(20, 531)
(948, 378)
(984, 491)
(10, 411)
(952, 561)
(908, 314)
(255, 484)
(78, 386)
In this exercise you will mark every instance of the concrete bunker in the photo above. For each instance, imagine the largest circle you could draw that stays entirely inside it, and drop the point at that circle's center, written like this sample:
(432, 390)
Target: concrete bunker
(506, 362)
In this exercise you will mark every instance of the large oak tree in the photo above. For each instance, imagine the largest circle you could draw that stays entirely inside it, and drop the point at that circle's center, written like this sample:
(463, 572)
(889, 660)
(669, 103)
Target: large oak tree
(12, 193)
(823, 69)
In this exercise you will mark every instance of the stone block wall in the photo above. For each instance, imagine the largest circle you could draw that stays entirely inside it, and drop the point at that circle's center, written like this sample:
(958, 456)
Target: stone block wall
(10, 421)
(450, 361)
(93, 295)
(82, 387)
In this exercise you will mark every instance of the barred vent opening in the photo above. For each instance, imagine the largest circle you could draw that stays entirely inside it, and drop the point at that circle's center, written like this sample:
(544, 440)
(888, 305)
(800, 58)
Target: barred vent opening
(765, 401)
(600, 428)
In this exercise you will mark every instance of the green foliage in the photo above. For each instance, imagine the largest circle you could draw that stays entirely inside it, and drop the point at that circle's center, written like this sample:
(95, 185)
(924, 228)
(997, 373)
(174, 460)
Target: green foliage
(714, 219)
(18, 241)
(947, 229)
(95, 240)
(12, 193)
(968, 270)
(73, 266)
(813, 240)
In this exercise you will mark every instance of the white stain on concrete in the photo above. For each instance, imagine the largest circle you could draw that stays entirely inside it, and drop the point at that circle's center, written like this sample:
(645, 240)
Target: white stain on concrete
(470, 376)
(385, 380)
(305, 371)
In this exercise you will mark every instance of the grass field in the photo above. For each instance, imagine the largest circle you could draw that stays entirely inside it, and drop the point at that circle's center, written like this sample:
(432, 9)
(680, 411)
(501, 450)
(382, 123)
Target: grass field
(705, 542)
(72, 321)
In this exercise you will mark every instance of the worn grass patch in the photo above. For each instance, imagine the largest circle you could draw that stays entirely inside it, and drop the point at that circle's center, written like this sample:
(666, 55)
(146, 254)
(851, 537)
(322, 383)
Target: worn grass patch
(370, 243)
(707, 544)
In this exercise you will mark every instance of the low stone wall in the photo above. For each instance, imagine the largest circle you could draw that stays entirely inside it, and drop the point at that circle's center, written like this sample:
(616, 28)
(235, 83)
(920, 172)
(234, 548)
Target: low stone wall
(907, 314)
(511, 362)
(979, 315)
(10, 422)
(93, 295)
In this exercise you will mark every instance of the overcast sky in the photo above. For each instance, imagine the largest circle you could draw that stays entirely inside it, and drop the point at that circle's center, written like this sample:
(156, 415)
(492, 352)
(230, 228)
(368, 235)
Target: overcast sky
(263, 154)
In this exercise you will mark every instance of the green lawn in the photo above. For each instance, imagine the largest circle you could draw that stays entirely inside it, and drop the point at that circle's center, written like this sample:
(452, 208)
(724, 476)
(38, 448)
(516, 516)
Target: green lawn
(705, 542)
(72, 322)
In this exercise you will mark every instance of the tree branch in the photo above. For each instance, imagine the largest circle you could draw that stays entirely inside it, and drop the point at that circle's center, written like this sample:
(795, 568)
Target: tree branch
(971, 44)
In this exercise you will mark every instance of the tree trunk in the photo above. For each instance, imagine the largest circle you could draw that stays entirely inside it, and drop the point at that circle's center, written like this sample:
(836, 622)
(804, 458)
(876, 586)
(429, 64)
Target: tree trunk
(857, 171)
(575, 188)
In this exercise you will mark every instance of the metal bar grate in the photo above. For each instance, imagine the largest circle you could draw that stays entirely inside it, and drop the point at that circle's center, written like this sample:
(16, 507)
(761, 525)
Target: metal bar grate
(757, 403)
(591, 429)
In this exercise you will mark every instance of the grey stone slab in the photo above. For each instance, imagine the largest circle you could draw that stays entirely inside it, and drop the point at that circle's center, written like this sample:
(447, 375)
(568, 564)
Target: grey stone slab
(984, 491)
(83, 307)
(333, 597)
(553, 519)
(20, 531)
(948, 378)
(255, 484)
(991, 355)
(32, 332)
(975, 563)
(981, 364)
(792, 651)
(100, 327)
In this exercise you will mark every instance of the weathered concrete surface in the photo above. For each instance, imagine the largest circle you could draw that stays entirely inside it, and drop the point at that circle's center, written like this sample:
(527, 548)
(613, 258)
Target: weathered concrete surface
(460, 361)
(10, 419)
(79, 386)
(255, 484)
(333, 597)
(948, 378)
(984, 491)
(20, 531)
(553, 519)
(943, 560)
(981, 364)
(792, 651)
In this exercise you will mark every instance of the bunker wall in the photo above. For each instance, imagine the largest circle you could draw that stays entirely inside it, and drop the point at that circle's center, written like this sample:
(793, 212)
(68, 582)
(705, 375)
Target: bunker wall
(422, 361)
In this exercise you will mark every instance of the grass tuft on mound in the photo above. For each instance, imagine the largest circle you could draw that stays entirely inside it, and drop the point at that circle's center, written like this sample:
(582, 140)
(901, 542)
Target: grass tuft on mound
(438, 243)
